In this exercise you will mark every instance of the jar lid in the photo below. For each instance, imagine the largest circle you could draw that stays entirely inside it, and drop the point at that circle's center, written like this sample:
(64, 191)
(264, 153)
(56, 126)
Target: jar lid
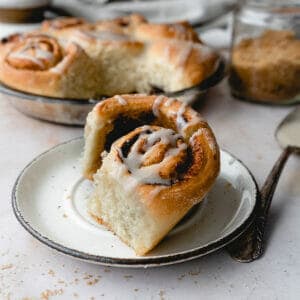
(269, 12)
(272, 3)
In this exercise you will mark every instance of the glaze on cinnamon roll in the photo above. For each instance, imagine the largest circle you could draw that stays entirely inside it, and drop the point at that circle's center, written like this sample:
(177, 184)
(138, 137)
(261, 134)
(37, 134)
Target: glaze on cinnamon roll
(62, 27)
(42, 65)
(126, 23)
(62, 23)
(153, 155)
(179, 31)
(151, 159)
(37, 53)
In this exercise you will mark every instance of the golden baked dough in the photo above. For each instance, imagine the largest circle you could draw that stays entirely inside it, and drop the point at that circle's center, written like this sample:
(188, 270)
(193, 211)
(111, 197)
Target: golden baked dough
(123, 55)
(39, 64)
(62, 24)
(152, 159)
(180, 31)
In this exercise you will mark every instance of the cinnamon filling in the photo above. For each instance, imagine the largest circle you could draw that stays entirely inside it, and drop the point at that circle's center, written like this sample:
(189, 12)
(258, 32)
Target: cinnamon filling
(155, 155)
(123, 125)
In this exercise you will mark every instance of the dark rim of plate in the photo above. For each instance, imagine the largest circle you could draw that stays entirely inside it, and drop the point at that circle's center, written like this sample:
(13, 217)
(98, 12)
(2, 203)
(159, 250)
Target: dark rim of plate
(141, 262)
(213, 79)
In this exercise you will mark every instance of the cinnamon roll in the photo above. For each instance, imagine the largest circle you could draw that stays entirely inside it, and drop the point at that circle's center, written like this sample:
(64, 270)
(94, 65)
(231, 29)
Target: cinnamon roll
(128, 62)
(40, 64)
(126, 23)
(61, 27)
(179, 31)
(122, 55)
(62, 23)
(151, 159)
(118, 59)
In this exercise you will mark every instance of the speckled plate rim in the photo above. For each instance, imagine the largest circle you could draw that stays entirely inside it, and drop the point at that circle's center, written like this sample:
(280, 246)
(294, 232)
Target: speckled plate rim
(212, 80)
(132, 262)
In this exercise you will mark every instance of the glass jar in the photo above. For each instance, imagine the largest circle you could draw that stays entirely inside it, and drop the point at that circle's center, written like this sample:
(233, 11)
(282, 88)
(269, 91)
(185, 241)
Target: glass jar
(22, 11)
(265, 52)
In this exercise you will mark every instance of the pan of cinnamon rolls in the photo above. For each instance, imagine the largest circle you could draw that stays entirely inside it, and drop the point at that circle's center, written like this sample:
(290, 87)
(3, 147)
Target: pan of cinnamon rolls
(59, 71)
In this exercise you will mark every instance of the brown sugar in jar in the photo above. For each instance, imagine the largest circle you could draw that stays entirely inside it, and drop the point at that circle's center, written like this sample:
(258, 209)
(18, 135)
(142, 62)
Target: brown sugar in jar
(266, 68)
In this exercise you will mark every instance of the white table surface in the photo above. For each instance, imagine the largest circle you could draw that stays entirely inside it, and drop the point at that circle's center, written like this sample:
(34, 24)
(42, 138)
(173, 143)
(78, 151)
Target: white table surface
(30, 270)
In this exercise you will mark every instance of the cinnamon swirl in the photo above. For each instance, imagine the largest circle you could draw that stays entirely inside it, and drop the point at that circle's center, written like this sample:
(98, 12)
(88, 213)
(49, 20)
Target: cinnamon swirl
(151, 159)
(40, 64)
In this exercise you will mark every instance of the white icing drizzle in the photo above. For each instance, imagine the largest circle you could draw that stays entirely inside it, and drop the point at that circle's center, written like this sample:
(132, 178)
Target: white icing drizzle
(156, 104)
(185, 47)
(43, 54)
(196, 133)
(192, 122)
(134, 160)
(121, 172)
(131, 181)
(20, 55)
(181, 122)
(120, 99)
(156, 191)
(185, 54)
(39, 54)
(106, 35)
(210, 140)
(103, 154)
(61, 66)
(169, 102)
(179, 27)
(204, 50)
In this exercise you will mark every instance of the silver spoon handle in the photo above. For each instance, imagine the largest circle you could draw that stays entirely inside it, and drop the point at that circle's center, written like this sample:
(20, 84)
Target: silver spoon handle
(270, 184)
(250, 245)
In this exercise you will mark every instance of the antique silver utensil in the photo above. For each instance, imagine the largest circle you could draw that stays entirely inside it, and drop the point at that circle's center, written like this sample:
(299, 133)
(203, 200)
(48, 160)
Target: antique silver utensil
(250, 245)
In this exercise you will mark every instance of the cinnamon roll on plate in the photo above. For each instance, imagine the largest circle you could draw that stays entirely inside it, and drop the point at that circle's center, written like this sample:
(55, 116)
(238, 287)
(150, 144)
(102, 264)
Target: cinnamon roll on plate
(151, 159)
(148, 161)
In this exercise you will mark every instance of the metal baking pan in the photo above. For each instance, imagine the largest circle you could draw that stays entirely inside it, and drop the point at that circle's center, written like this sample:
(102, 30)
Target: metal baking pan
(74, 111)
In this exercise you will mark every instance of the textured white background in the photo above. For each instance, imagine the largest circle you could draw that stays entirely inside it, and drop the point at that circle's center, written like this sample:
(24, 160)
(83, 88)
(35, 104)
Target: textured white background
(28, 268)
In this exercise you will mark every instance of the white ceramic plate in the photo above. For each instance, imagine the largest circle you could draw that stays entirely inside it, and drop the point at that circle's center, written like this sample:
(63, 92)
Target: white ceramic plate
(50, 197)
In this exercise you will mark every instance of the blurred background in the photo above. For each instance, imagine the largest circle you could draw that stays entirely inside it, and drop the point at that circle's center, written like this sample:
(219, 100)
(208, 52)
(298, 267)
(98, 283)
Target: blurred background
(211, 18)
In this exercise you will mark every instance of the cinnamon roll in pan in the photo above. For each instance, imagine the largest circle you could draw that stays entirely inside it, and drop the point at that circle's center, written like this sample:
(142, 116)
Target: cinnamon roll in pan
(151, 158)
(74, 111)
(72, 58)
(39, 64)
